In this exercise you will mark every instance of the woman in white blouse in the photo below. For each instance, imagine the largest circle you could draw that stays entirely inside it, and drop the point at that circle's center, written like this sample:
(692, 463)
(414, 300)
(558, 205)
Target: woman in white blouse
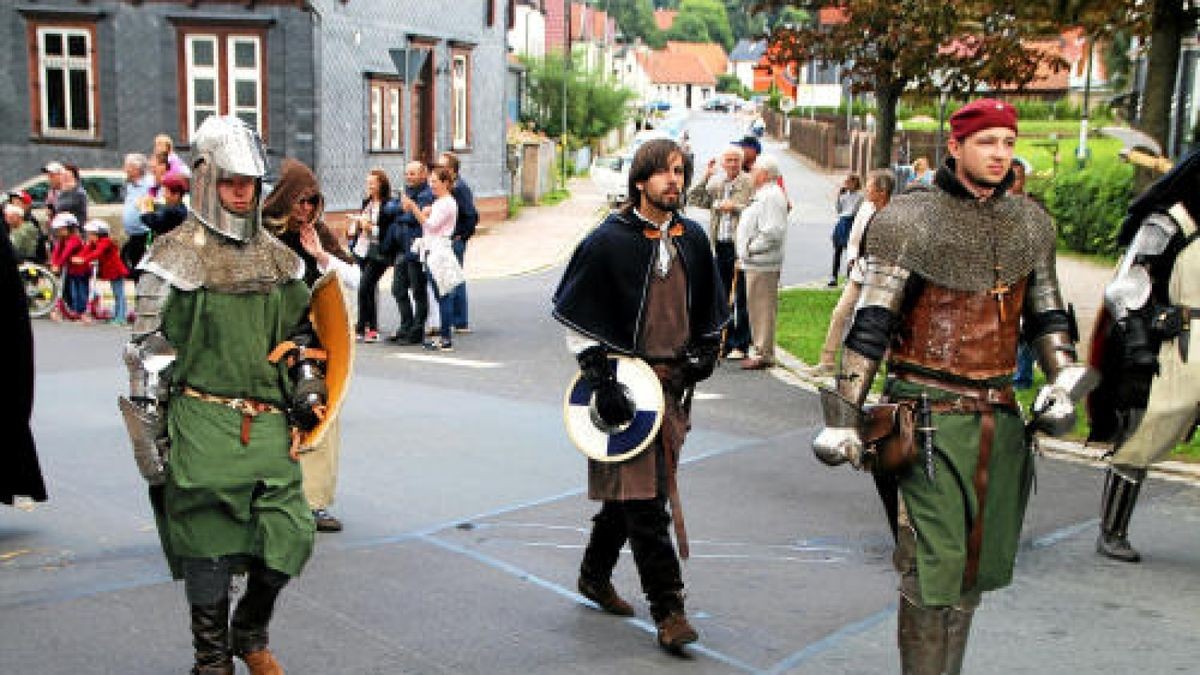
(437, 224)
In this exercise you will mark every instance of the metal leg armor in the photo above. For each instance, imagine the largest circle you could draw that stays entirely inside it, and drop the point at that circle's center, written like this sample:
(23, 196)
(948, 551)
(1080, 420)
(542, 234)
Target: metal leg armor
(1120, 496)
(921, 635)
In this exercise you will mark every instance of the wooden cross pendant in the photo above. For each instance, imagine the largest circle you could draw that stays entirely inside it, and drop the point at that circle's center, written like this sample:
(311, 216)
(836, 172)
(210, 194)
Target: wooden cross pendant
(1000, 291)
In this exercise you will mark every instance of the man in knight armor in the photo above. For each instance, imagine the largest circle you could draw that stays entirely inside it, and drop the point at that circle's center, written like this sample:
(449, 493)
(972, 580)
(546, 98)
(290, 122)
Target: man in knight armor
(951, 272)
(1150, 397)
(213, 412)
(643, 284)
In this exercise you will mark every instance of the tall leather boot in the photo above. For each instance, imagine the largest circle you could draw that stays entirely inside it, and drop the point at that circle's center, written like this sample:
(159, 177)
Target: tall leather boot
(958, 627)
(658, 567)
(210, 637)
(1120, 496)
(921, 635)
(252, 617)
(599, 559)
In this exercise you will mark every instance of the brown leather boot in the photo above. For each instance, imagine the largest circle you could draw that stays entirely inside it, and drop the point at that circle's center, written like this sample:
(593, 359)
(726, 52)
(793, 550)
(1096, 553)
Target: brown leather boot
(674, 632)
(262, 662)
(921, 634)
(605, 596)
(210, 636)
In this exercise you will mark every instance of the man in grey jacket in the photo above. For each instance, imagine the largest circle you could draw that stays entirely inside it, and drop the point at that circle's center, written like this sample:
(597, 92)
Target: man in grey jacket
(759, 246)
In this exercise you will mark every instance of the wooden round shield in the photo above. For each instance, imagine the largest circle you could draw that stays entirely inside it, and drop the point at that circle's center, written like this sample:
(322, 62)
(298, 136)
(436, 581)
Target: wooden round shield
(589, 433)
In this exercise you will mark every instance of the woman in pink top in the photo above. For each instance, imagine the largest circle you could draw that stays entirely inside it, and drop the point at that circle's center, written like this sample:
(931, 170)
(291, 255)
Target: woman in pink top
(437, 224)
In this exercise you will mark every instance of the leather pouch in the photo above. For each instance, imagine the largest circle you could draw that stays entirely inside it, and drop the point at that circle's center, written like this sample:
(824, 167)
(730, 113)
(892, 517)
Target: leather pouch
(889, 436)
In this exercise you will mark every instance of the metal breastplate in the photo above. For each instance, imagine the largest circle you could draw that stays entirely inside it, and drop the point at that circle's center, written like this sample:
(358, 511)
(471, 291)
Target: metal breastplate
(967, 334)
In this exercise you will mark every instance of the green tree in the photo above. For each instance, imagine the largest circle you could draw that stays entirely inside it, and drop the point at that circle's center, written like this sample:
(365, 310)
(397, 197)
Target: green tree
(595, 106)
(712, 13)
(889, 46)
(636, 19)
(689, 28)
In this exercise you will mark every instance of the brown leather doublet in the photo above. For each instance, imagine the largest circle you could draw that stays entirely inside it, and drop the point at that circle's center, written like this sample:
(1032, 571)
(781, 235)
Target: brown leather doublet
(967, 334)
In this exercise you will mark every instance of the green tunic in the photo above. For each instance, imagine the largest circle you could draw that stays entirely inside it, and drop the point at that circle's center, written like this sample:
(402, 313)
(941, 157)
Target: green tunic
(941, 511)
(221, 497)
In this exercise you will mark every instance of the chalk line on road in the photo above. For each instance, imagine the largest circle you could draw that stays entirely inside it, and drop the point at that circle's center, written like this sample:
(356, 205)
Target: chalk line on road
(447, 360)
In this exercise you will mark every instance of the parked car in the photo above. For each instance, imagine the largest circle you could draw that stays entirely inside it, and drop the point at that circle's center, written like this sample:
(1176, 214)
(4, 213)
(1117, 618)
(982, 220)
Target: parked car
(106, 196)
(611, 174)
(659, 106)
(718, 104)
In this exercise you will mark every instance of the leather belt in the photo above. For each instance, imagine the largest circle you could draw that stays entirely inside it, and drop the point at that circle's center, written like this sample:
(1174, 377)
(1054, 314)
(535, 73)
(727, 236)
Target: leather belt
(971, 398)
(249, 408)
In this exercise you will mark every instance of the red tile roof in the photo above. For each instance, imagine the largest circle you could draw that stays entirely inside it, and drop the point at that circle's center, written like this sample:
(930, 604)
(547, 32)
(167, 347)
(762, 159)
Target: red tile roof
(663, 67)
(831, 15)
(712, 54)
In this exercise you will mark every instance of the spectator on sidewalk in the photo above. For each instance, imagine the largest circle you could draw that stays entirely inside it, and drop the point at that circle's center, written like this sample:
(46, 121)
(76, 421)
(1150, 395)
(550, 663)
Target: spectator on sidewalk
(71, 196)
(23, 234)
(137, 187)
(922, 174)
(437, 228)
(161, 218)
(751, 149)
(464, 228)
(408, 278)
(367, 230)
(880, 185)
(760, 238)
(54, 171)
(164, 144)
(726, 193)
(849, 198)
(102, 250)
(160, 166)
(67, 245)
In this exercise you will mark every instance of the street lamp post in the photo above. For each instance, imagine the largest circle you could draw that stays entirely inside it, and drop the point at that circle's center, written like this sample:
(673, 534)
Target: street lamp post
(566, 73)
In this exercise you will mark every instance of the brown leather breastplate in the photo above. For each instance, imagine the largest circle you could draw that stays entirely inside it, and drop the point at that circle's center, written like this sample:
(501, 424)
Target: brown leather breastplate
(968, 334)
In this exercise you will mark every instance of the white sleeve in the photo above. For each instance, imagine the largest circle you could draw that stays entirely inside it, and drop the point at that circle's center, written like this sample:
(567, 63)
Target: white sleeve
(577, 342)
(347, 273)
(859, 228)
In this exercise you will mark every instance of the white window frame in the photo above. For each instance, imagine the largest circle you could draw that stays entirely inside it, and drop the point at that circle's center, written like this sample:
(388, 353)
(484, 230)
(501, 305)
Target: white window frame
(252, 74)
(194, 72)
(66, 63)
(460, 79)
(385, 115)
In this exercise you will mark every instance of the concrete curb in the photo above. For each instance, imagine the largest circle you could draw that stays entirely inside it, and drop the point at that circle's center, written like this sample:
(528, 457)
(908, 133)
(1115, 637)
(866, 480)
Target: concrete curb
(560, 258)
(798, 374)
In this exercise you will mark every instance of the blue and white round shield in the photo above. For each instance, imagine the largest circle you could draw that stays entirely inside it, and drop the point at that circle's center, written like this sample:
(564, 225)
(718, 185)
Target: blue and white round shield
(615, 444)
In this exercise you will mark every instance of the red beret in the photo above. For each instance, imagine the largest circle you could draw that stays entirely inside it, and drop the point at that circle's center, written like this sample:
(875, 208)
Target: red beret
(984, 113)
(175, 182)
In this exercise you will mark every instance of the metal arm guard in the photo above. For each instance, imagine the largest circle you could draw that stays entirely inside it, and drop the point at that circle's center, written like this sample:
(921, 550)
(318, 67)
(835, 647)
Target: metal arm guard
(1128, 296)
(148, 358)
(875, 321)
(306, 367)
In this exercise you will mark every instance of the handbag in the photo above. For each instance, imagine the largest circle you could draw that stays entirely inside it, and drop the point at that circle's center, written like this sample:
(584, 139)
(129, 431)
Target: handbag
(443, 266)
(889, 436)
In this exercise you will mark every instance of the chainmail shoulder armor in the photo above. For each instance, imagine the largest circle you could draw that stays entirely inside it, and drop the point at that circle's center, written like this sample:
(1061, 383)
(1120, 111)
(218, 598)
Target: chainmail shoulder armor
(193, 256)
(962, 244)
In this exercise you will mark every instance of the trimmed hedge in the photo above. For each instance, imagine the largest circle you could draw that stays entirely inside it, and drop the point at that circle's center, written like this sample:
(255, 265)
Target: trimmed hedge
(1088, 206)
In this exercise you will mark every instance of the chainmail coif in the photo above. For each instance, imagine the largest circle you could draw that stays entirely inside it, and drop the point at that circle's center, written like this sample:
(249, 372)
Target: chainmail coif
(193, 256)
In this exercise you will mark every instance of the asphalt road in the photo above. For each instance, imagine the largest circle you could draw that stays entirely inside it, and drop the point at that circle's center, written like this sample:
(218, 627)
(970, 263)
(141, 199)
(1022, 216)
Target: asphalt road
(465, 521)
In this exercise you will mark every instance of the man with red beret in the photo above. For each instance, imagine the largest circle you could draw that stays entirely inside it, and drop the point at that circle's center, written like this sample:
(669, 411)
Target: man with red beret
(953, 274)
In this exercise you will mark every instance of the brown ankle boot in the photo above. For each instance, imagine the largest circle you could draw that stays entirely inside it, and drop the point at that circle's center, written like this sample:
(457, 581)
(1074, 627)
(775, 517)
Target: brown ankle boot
(605, 596)
(674, 632)
(262, 662)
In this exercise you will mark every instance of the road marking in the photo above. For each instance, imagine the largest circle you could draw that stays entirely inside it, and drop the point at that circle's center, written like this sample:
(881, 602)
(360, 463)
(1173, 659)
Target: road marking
(525, 575)
(447, 360)
(707, 396)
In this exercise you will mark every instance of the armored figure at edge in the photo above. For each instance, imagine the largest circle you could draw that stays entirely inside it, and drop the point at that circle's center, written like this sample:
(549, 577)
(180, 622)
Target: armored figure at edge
(1150, 396)
(951, 273)
(213, 413)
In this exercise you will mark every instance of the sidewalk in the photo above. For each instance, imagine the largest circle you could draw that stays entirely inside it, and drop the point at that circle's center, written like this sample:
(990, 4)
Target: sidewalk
(538, 238)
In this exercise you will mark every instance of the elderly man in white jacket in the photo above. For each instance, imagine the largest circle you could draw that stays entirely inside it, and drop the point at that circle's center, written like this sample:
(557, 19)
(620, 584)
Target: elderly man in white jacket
(760, 238)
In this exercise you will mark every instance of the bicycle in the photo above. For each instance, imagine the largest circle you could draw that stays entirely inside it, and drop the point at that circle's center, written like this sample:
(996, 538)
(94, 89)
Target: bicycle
(43, 289)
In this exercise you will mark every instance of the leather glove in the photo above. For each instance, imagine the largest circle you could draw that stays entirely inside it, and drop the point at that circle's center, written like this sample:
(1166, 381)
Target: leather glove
(612, 405)
(1053, 410)
(838, 445)
(699, 360)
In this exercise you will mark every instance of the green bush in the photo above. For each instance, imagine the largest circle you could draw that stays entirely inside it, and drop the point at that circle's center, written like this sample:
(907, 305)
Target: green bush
(1088, 206)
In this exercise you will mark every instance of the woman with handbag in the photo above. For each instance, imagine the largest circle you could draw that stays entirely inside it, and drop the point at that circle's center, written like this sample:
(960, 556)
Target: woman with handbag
(437, 224)
(367, 230)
